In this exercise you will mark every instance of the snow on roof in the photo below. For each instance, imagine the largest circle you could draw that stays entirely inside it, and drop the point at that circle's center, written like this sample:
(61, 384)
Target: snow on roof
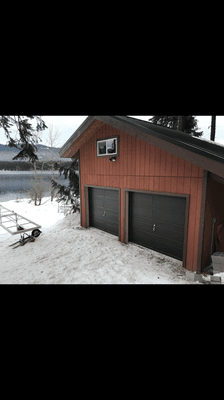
(211, 141)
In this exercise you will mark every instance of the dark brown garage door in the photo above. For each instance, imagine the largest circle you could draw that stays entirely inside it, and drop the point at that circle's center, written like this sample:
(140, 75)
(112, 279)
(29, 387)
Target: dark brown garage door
(104, 209)
(157, 222)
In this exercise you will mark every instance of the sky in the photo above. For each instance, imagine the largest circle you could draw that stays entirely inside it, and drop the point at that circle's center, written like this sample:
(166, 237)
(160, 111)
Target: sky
(67, 125)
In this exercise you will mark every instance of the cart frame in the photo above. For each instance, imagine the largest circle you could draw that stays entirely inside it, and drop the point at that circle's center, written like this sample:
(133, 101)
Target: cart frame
(14, 218)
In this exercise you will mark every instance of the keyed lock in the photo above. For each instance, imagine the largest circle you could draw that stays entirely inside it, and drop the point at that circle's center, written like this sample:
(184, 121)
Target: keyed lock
(104, 214)
(154, 228)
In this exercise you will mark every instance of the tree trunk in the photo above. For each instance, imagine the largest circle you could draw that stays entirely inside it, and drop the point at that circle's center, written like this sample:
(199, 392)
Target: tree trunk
(180, 123)
(52, 172)
(35, 174)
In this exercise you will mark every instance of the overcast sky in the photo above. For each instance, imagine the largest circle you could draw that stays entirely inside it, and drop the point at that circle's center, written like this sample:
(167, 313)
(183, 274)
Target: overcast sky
(67, 125)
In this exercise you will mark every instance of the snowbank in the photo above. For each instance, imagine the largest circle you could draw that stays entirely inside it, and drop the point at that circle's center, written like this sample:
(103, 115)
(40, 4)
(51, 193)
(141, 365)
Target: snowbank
(221, 274)
(67, 253)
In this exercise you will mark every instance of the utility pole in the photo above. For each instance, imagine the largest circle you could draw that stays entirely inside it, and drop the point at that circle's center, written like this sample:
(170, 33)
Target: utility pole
(180, 123)
(213, 128)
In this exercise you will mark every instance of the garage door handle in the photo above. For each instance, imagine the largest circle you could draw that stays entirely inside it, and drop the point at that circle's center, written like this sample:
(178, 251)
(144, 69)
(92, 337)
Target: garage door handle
(154, 228)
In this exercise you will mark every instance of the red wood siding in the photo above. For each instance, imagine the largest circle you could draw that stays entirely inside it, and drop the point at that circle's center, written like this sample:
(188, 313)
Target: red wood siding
(143, 166)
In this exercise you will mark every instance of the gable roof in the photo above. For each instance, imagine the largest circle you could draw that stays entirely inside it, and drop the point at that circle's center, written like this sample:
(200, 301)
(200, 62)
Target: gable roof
(207, 155)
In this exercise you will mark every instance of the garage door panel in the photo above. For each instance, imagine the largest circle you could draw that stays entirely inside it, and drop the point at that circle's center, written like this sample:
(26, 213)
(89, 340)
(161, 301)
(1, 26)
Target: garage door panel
(111, 218)
(96, 213)
(106, 226)
(145, 224)
(157, 222)
(97, 192)
(142, 201)
(111, 194)
(170, 217)
(164, 231)
(109, 215)
(98, 223)
(111, 204)
(169, 248)
(100, 211)
(143, 238)
(111, 228)
(143, 212)
(98, 203)
(96, 210)
(176, 204)
(104, 209)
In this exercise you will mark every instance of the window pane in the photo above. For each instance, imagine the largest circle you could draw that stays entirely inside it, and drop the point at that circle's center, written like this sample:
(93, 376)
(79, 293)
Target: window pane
(111, 146)
(102, 148)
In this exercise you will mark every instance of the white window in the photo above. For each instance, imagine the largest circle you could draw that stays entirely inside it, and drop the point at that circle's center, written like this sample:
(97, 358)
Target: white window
(107, 147)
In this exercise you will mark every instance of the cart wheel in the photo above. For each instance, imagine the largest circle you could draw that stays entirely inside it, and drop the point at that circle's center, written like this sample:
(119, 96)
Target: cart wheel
(36, 232)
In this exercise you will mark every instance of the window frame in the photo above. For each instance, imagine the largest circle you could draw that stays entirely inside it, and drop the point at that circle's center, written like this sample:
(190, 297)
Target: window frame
(111, 154)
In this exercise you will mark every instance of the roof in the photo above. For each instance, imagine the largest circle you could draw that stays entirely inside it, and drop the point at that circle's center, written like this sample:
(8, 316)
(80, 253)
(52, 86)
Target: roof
(181, 138)
(158, 135)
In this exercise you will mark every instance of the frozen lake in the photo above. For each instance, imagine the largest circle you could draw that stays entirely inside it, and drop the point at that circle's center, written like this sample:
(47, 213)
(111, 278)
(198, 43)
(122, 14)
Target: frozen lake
(15, 184)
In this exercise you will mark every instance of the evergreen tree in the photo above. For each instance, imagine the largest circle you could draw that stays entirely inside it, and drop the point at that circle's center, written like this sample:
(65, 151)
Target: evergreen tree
(26, 143)
(68, 193)
(190, 123)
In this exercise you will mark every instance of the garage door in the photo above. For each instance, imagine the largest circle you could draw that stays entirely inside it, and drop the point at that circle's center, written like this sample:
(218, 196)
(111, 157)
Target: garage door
(104, 209)
(157, 222)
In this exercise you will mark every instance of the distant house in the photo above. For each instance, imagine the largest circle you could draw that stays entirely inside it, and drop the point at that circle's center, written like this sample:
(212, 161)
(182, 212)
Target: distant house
(151, 185)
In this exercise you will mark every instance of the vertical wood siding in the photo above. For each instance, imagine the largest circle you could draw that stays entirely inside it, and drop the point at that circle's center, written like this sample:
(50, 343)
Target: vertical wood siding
(143, 166)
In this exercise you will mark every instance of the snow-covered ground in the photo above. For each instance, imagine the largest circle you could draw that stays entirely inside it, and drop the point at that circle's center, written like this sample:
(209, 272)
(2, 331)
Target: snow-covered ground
(67, 253)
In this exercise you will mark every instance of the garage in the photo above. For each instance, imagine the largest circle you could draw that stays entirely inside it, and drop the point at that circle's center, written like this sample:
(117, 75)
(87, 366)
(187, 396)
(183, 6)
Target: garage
(158, 222)
(104, 209)
(149, 184)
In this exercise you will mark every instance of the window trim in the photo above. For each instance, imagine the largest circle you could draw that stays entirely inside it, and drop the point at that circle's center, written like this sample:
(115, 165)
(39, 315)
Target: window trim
(104, 140)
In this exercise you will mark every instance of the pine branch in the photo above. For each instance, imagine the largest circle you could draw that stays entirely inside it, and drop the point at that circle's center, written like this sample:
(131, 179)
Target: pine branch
(26, 143)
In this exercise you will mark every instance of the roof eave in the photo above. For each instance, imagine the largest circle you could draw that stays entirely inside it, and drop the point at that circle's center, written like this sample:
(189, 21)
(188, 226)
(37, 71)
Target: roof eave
(76, 134)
